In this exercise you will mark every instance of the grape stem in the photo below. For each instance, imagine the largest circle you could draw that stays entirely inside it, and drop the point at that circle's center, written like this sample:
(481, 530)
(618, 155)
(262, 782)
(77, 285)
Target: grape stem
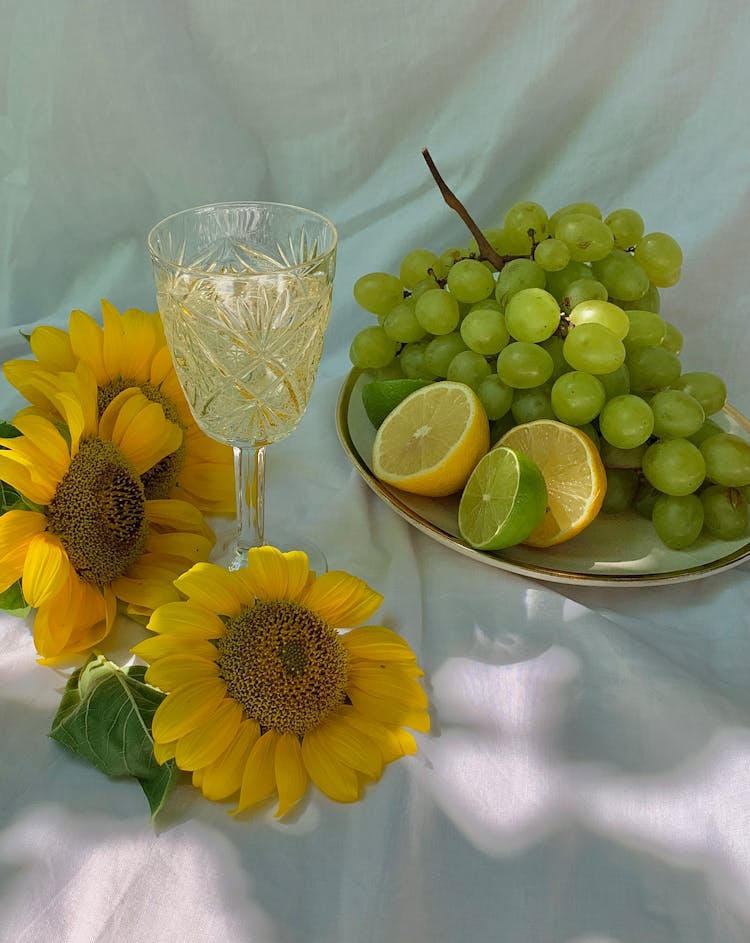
(486, 250)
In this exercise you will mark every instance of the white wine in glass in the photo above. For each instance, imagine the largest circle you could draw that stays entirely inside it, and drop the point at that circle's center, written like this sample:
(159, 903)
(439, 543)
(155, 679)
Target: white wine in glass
(244, 292)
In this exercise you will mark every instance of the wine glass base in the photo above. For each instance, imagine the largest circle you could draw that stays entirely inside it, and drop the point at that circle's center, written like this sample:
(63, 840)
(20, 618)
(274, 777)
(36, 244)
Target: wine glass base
(232, 558)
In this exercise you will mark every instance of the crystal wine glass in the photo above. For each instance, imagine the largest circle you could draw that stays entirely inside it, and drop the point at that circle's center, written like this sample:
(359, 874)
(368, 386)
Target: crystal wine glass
(244, 292)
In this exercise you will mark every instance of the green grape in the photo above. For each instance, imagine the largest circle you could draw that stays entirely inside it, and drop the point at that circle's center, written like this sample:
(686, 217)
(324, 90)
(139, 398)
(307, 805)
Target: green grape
(708, 388)
(525, 216)
(592, 432)
(593, 348)
(621, 487)
(627, 227)
(646, 329)
(652, 368)
(400, 324)
(587, 238)
(523, 365)
(659, 256)
(614, 457)
(495, 396)
(727, 458)
(451, 255)
(441, 350)
(378, 292)
(708, 428)
(667, 280)
(391, 371)
(529, 405)
(554, 347)
(645, 499)
(725, 512)
(437, 311)
(650, 301)
(468, 367)
(371, 347)
(415, 266)
(559, 282)
(484, 330)
(677, 414)
(583, 289)
(500, 241)
(552, 255)
(588, 209)
(499, 427)
(626, 421)
(425, 284)
(672, 340)
(616, 383)
(413, 361)
(621, 275)
(470, 281)
(678, 519)
(577, 397)
(674, 466)
(517, 275)
(532, 314)
(601, 312)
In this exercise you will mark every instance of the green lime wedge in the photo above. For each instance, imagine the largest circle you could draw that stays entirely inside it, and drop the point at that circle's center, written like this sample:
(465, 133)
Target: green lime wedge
(504, 500)
(381, 396)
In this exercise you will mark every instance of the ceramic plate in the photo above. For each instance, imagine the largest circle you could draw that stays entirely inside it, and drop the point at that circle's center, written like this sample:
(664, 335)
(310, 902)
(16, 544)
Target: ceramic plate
(615, 550)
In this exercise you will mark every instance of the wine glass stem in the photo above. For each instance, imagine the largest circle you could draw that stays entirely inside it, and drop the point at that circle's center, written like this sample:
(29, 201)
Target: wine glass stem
(249, 476)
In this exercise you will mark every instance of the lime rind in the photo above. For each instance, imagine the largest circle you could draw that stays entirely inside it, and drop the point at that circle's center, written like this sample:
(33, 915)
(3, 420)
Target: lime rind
(381, 397)
(504, 500)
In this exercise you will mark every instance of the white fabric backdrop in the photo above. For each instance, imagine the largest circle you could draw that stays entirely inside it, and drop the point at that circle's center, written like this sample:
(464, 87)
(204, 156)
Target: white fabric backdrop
(588, 775)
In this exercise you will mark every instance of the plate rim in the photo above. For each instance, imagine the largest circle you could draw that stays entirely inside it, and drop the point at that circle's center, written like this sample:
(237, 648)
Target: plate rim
(391, 497)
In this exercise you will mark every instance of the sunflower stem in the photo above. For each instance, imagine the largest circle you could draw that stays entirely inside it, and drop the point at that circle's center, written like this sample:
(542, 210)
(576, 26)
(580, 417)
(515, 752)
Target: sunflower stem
(249, 477)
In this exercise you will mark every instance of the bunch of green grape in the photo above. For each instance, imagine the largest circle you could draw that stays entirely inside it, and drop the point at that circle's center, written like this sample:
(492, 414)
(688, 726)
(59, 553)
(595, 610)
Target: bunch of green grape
(561, 321)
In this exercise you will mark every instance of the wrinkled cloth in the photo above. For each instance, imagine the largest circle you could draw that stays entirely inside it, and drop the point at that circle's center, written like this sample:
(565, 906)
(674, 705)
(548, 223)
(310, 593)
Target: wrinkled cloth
(587, 776)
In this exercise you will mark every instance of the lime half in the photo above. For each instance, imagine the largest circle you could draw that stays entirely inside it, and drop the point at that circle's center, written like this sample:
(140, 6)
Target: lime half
(380, 397)
(504, 500)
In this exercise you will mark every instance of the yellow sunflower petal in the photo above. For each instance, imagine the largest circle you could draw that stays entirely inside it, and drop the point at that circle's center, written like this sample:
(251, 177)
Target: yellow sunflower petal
(186, 708)
(211, 738)
(350, 747)
(259, 777)
(169, 673)
(161, 368)
(16, 531)
(15, 471)
(177, 515)
(387, 711)
(87, 342)
(377, 642)
(213, 587)
(336, 780)
(146, 593)
(210, 484)
(164, 646)
(55, 454)
(22, 374)
(393, 742)
(140, 429)
(341, 599)
(271, 574)
(51, 347)
(75, 619)
(290, 772)
(223, 777)
(188, 547)
(197, 778)
(141, 340)
(114, 339)
(163, 752)
(186, 620)
(388, 682)
(46, 570)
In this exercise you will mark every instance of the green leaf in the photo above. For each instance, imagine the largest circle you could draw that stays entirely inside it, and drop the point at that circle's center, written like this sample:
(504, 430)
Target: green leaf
(105, 716)
(8, 431)
(11, 600)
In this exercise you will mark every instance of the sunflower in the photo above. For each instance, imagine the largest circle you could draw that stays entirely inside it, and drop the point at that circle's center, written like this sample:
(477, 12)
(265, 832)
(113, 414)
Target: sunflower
(264, 693)
(87, 535)
(130, 350)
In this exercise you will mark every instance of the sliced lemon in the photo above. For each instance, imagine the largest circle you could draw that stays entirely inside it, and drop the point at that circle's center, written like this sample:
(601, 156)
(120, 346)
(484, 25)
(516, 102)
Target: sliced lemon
(380, 397)
(573, 473)
(430, 443)
(504, 499)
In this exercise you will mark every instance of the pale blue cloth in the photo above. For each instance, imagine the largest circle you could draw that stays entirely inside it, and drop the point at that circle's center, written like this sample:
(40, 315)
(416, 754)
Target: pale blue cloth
(587, 779)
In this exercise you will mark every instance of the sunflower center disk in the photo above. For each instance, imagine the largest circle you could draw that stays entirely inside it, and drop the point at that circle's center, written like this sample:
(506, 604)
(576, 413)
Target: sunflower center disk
(99, 514)
(284, 664)
(159, 480)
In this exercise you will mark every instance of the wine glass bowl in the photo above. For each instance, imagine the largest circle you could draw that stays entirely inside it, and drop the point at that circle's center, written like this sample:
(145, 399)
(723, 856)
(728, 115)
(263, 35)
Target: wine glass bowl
(244, 292)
